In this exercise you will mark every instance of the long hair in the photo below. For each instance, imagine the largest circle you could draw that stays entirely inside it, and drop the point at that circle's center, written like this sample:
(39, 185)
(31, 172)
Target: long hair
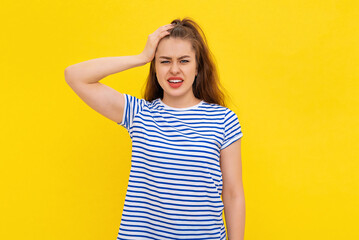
(206, 85)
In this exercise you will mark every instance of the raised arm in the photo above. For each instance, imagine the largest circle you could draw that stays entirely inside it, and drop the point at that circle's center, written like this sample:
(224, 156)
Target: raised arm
(84, 77)
(94, 70)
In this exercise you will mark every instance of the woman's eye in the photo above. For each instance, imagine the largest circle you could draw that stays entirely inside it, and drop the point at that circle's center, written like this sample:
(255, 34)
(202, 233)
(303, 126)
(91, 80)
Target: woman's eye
(185, 61)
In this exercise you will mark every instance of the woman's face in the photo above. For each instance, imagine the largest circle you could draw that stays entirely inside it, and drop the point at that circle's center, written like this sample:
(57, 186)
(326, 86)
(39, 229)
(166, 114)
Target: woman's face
(176, 58)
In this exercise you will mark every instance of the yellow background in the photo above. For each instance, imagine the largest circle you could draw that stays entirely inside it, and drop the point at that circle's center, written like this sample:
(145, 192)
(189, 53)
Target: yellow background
(291, 68)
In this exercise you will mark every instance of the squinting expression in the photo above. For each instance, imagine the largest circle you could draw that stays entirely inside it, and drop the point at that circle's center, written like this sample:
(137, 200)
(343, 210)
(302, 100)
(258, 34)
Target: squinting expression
(176, 58)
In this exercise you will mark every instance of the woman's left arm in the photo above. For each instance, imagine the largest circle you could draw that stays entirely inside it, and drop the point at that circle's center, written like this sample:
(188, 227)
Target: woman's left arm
(232, 191)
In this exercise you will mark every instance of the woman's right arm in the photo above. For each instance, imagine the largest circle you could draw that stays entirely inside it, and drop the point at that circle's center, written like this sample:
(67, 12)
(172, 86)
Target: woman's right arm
(84, 77)
(94, 70)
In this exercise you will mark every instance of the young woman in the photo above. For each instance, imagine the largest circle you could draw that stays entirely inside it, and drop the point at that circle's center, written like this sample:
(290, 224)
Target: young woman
(186, 151)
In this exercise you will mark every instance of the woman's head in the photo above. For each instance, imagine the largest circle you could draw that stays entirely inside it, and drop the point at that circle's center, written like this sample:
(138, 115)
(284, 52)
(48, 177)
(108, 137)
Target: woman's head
(175, 60)
(197, 70)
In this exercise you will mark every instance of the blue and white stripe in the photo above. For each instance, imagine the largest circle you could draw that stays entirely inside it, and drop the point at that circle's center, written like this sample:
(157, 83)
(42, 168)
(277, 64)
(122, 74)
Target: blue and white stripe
(175, 184)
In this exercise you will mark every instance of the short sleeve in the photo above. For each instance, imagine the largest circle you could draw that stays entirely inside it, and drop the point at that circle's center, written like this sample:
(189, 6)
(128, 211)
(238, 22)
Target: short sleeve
(132, 107)
(232, 129)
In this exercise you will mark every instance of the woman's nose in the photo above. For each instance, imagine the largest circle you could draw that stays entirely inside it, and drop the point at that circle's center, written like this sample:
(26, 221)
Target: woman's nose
(174, 68)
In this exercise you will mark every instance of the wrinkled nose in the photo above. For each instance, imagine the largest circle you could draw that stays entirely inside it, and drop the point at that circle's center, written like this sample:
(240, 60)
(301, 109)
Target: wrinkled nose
(174, 68)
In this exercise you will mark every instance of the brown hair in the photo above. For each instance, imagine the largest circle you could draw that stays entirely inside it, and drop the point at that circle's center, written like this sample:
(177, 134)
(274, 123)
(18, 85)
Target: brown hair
(206, 85)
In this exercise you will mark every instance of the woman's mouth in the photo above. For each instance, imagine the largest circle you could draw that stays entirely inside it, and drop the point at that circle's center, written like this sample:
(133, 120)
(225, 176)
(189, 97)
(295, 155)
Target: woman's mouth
(175, 83)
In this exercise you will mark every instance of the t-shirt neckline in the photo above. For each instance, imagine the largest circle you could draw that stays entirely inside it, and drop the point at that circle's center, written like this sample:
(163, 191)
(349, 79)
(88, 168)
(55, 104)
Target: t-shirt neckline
(174, 108)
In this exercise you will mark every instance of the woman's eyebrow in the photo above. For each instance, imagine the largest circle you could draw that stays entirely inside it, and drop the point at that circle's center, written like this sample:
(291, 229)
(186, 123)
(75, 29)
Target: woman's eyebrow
(171, 58)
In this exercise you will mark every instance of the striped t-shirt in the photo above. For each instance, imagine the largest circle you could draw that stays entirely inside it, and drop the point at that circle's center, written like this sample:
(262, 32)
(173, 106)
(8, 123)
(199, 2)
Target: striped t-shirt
(175, 183)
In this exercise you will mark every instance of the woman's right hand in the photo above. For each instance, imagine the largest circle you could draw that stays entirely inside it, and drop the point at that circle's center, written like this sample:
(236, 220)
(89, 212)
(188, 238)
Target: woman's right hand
(152, 41)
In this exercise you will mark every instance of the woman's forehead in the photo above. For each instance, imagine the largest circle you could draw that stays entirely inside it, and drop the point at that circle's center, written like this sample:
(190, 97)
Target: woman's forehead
(175, 47)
